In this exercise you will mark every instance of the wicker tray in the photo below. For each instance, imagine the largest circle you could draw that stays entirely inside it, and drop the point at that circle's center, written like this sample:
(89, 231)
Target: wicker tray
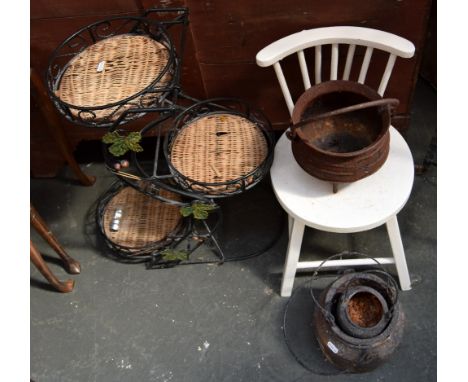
(218, 149)
(145, 222)
(111, 71)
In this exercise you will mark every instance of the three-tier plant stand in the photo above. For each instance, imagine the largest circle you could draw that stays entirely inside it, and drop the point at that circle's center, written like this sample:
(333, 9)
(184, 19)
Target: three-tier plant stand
(117, 70)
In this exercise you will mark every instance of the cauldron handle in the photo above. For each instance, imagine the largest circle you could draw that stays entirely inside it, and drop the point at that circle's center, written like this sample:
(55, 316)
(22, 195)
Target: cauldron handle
(291, 134)
(329, 316)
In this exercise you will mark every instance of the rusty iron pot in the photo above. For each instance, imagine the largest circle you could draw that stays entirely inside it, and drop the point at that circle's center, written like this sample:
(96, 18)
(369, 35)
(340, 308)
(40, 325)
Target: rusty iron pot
(349, 352)
(344, 147)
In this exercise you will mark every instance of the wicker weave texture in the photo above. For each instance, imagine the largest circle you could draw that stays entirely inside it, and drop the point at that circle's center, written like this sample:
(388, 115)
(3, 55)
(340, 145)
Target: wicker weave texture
(144, 220)
(112, 70)
(218, 148)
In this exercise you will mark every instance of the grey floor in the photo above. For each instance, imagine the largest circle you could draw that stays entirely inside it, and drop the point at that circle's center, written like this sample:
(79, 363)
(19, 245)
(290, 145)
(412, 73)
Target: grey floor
(217, 323)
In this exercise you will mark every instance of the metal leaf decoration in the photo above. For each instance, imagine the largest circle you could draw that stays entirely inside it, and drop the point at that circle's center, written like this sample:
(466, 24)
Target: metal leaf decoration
(198, 210)
(173, 255)
(119, 144)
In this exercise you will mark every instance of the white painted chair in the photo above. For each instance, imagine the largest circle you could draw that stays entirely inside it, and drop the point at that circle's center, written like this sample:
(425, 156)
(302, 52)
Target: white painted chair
(357, 206)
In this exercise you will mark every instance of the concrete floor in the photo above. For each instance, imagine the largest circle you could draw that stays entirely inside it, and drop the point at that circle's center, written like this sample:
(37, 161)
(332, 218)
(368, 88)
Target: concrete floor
(217, 323)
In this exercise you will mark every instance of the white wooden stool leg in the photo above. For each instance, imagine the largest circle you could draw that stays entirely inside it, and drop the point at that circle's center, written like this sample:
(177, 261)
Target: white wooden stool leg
(292, 257)
(290, 224)
(398, 253)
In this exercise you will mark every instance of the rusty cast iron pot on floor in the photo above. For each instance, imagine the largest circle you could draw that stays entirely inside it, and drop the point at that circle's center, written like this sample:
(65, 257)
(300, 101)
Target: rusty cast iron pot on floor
(340, 131)
(378, 311)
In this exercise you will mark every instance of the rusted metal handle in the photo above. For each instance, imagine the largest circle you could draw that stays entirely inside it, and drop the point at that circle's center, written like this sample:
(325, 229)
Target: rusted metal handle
(291, 134)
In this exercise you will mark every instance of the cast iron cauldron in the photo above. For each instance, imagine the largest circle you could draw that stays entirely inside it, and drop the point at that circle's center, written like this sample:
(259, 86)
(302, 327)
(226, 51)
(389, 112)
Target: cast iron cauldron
(374, 328)
(340, 131)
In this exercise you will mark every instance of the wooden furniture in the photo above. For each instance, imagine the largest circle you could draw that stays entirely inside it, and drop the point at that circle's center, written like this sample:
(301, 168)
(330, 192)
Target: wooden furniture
(71, 265)
(357, 206)
(222, 39)
(55, 127)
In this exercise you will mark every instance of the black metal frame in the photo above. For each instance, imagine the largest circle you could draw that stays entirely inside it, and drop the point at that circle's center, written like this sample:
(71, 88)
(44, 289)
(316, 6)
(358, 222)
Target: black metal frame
(152, 256)
(163, 181)
(179, 183)
(194, 232)
(147, 25)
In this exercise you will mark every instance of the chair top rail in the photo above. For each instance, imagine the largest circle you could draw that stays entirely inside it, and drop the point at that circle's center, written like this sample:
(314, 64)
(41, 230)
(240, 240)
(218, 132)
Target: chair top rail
(374, 38)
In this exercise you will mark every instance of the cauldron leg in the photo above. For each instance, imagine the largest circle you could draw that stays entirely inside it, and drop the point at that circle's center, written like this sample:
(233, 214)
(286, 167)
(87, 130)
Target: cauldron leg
(335, 188)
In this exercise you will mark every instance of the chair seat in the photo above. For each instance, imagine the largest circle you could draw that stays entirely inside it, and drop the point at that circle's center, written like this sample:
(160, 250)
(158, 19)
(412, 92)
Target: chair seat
(357, 206)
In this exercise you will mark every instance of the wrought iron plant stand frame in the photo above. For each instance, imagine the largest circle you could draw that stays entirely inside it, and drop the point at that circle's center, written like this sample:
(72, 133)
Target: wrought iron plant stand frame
(160, 96)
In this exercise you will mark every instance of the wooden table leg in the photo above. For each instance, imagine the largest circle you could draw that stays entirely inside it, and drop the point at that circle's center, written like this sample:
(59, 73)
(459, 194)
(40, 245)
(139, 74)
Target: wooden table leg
(56, 129)
(71, 265)
(38, 261)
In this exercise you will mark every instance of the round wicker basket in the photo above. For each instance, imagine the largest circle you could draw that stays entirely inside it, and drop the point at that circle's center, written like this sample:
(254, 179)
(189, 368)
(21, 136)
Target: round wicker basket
(216, 150)
(110, 74)
(142, 222)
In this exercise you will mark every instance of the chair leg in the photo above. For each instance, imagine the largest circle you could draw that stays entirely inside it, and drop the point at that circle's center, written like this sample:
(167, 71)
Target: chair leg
(398, 253)
(38, 261)
(290, 224)
(292, 257)
(71, 265)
